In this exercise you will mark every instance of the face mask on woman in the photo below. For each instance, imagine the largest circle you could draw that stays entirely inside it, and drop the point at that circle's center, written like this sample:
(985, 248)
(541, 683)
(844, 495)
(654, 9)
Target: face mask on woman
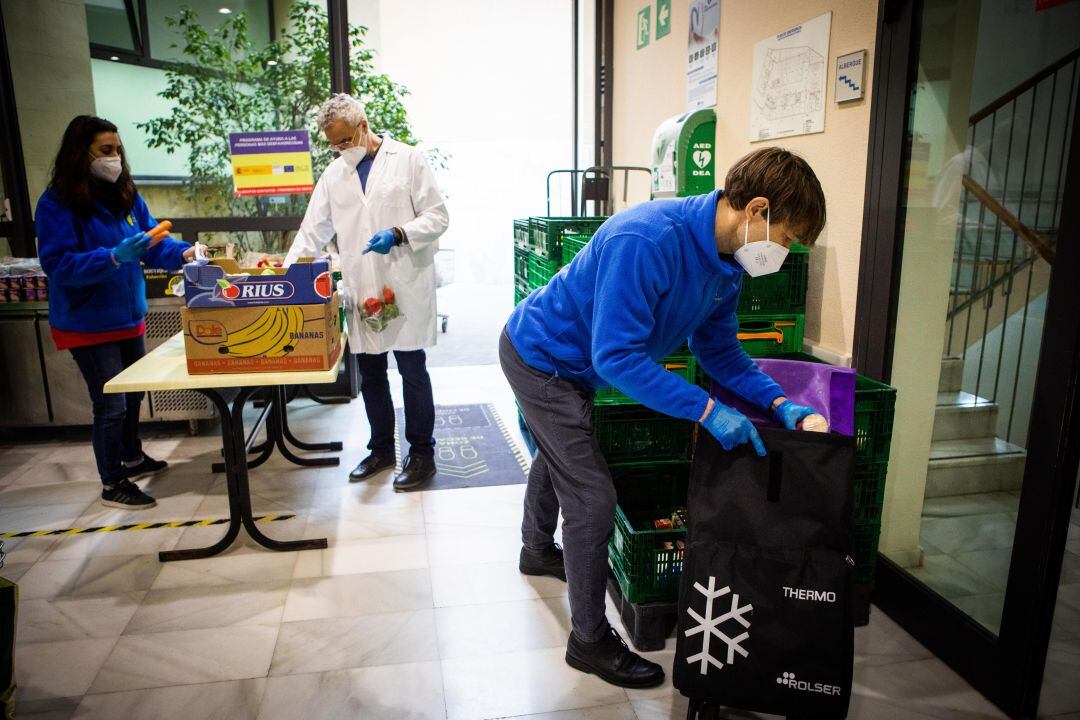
(107, 168)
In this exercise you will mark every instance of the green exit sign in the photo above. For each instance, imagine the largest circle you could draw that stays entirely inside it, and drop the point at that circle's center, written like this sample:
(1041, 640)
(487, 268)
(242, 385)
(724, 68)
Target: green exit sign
(644, 26)
(663, 18)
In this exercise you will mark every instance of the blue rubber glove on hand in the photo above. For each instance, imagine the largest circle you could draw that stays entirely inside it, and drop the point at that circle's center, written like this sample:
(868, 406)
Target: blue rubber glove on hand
(382, 243)
(131, 248)
(731, 428)
(791, 414)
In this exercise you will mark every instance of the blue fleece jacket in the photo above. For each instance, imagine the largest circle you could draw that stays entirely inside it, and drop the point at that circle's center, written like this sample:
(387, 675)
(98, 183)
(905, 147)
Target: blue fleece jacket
(649, 279)
(88, 292)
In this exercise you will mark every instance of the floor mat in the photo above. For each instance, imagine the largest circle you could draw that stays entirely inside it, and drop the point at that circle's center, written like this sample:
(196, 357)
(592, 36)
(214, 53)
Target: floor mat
(473, 448)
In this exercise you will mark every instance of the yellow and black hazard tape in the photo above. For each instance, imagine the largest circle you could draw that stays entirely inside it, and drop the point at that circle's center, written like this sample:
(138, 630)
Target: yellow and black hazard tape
(138, 526)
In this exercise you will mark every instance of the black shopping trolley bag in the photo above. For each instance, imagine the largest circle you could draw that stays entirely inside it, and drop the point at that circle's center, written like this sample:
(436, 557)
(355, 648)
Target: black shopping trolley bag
(764, 604)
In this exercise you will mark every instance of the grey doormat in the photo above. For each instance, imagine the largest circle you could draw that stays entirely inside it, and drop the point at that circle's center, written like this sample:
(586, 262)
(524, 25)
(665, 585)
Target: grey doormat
(473, 448)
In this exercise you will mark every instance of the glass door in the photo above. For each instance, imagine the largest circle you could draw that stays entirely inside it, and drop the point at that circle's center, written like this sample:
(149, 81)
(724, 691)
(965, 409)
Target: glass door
(980, 243)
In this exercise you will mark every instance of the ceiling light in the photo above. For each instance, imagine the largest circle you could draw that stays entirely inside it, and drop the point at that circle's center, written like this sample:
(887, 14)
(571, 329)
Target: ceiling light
(225, 11)
(113, 57)
(271, 62)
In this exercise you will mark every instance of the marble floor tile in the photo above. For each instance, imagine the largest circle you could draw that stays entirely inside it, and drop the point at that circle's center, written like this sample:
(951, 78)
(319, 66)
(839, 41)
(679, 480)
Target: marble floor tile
(669, 707)
(338, 524)
(14, 571)
(496, 506)
(41, 517)
(186, 658)
(985, 609)
(311, 646)
(231, 569)
(472, 545)
(384, 554)
(354, 595)
(59, 669)
(57, 493)
(1060, 690)
(489, 583)
(971, 532)
(522, 683)
(76, 618)
(882, 642)
(48, 473)
(47, 709)
(232, 700)
(177, 506)
(991, 566)
(412, 691)
(494, 628)
(193, 608)
(27, 550)
(622, 711)
(89, 576)
(973, 504)
(949, 578)
(921, 688)
(126, 542)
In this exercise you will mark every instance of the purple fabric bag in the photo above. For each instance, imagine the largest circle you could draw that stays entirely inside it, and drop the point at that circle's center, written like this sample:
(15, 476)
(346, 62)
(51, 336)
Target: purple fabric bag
(829, 390)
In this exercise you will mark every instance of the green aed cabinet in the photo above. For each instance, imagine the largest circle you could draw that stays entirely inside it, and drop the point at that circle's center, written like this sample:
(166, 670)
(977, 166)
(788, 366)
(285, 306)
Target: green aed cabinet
(683, 157)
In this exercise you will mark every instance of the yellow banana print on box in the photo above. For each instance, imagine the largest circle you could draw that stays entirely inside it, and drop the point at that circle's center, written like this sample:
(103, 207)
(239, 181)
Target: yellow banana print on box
(269, 335)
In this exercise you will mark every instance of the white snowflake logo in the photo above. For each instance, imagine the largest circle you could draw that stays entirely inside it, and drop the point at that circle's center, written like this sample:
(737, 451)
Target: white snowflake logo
(708, 625)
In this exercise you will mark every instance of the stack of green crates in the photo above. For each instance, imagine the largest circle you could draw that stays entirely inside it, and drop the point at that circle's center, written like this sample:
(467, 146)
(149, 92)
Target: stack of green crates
(542, 245)
(772, 308)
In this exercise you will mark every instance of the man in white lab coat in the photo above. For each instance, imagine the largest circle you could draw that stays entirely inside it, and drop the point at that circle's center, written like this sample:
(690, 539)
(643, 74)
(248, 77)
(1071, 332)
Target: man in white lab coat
(380, 199)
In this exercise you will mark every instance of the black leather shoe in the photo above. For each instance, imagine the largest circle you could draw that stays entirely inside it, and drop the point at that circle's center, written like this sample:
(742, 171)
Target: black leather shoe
(612, 661)
(370, 466)
(548, 561)
(415, 472)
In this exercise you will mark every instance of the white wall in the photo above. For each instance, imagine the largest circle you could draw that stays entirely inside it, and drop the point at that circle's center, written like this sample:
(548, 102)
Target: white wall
(491, 85)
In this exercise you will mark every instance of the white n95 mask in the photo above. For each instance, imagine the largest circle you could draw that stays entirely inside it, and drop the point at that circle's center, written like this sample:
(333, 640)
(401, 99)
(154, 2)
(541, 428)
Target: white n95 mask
(107, 168)
(763, 257)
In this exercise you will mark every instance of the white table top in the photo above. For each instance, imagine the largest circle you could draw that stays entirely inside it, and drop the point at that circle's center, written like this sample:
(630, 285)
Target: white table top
(165, 368)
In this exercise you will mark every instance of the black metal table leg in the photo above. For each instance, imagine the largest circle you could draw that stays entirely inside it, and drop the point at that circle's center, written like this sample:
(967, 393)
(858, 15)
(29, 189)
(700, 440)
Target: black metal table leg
(324, 400)
(240, 513)
(278, 427)
(332, 446)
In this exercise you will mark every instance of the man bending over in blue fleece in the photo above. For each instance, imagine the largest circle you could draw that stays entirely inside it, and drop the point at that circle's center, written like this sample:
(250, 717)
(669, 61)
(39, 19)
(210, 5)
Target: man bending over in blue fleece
(653, 276)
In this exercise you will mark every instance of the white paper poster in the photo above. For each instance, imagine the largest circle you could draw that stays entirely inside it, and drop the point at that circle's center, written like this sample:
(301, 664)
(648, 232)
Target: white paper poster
(701, 54)
(788, 90)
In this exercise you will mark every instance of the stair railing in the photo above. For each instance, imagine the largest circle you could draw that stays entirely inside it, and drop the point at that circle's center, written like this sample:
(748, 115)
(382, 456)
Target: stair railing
(1008, 222)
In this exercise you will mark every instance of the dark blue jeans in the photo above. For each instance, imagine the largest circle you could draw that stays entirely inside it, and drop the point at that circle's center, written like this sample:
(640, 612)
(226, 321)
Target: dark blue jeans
(116, 417)
(419, 403)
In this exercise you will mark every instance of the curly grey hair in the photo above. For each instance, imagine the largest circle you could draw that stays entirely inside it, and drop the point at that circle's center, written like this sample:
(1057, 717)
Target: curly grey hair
(341, 106)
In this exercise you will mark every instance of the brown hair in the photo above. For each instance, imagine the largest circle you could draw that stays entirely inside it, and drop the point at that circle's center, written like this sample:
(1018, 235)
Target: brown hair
(71, 178)
(789, 184)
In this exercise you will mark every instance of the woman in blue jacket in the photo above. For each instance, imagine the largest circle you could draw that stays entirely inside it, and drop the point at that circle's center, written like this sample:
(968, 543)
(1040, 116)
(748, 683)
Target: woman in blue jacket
(92, 234)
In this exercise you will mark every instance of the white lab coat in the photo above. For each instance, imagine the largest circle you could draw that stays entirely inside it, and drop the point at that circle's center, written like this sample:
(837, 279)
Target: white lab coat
(401, 192)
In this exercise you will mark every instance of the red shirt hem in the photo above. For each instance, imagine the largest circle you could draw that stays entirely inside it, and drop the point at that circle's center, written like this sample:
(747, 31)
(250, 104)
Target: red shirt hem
(67, 339)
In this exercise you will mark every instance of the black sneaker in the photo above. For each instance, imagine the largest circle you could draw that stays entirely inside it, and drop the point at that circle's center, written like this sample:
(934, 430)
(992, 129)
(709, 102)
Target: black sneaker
(144, 468)
(612, 661)
(548, 561)
(127, 496)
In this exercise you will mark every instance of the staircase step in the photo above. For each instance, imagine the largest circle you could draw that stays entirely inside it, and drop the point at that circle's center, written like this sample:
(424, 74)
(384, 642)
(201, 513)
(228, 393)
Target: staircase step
(952, 375)
(961, 415)
(974, 465)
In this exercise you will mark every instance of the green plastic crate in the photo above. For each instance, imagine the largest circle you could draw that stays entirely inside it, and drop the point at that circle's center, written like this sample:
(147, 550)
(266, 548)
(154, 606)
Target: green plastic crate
(546, 233)
(520, 293)
(572, 245)
(541, 270)
(521, 234)
(769, 335)
(521, 266)
(867, 534)
(681, 362)
(783, 291)
(637, 436)
(648, 562)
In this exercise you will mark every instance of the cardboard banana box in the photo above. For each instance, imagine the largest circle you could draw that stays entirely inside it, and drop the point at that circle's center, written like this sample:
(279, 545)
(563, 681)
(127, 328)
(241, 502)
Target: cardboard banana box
(274, 338)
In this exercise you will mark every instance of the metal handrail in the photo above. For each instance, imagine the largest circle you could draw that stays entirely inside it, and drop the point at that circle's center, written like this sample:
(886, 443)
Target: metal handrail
(1037, 242)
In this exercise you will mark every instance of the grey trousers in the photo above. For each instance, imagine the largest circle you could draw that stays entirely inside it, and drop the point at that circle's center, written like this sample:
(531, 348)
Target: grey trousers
(568, 472)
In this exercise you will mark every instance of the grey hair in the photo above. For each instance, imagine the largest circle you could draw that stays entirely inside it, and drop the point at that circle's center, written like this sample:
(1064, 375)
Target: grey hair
(341, 106)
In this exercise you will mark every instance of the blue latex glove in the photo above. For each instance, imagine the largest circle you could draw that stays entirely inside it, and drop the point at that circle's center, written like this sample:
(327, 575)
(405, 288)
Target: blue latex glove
(731, 428)
(131, 248)
(382, 243)
(791, 414)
